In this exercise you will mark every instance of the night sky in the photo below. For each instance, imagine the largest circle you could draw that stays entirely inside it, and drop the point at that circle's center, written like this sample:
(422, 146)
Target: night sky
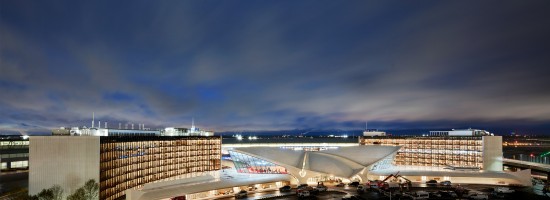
(275, 65)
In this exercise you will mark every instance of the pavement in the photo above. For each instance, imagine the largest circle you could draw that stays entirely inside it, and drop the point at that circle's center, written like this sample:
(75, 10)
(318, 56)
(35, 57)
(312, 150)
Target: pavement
(341, 192)
(10, 181)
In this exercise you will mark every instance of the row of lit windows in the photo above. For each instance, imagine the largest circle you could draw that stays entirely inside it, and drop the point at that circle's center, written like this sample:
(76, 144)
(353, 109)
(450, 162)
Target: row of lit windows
(157, 160)
(202, 142)
(110, 152)
(433, 146)
(436, 147)
(440, 152)
(447, 156)
(159, 148)
(105, 166)
(185, 149)
(441, 163)
(130, 164)
(414, 159)
(14, 143)
(440, 160)
(15, 164)
(136, 156)
(474, 141)
(151, 168)
(436, 151)
(15, 155)
(149, 144)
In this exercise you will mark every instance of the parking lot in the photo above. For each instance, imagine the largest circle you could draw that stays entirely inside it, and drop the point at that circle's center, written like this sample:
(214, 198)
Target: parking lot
(435, 192)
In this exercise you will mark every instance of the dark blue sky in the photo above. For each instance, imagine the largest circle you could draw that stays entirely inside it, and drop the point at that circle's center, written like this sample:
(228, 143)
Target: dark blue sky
(275, 65)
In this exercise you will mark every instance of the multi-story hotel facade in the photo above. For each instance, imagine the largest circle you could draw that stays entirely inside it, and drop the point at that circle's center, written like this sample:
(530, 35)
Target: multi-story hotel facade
(118, 163)
(471, 152)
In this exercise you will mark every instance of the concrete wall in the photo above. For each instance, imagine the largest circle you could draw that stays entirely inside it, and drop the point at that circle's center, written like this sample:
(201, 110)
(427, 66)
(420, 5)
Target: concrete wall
(492, 153)
(68, 161)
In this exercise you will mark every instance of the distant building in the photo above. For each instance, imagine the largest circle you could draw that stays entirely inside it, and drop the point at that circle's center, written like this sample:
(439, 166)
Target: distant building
(85, 131)
(373, 133)
(14, 153)
(170, 131)
(129, 130)
(461, 132)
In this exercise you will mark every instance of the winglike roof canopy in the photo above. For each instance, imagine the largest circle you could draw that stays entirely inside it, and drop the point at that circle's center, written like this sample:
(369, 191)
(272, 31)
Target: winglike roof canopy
(344, 161)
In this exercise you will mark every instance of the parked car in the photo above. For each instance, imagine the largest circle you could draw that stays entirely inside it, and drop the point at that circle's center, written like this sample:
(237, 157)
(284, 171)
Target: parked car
(504, 190)
(302, 185)
(321, 188)
(241, 194)
(303, 193)
(496, 195)
(448, 194)
(340, 184)
(445, 183)
(354, 184)
(305, 188)
(373, 184)
(431, 182)
(360, 189)
(417, 195)
(435, 195)
(478, 196)
(285, 188)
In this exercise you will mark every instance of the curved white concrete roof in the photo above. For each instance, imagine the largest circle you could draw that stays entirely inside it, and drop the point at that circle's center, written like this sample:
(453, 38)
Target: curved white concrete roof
(228, 179)
(343, 162)
(331, 164)
(364, 155)
(276, 155)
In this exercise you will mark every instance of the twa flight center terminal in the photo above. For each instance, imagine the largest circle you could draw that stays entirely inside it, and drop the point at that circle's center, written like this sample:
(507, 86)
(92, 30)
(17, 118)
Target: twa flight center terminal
(460, 156)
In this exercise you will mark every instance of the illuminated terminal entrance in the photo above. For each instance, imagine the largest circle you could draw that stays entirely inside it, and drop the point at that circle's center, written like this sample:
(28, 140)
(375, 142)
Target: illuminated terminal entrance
(250, 164)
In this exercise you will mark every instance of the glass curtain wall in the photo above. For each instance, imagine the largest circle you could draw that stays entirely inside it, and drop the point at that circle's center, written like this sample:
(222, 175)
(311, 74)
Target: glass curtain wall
(435, 151)
(130, 162)
(250, 164)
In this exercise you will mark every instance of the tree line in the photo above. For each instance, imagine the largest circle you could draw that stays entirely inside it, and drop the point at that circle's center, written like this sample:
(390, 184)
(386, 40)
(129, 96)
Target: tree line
(89, 191)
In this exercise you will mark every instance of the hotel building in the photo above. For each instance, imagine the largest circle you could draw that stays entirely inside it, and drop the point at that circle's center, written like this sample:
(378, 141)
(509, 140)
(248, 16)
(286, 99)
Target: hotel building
(119, 163)
(464, 149)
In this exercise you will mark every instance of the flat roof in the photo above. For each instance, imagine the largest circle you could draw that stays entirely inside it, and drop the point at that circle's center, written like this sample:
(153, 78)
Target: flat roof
(228, 178)
(265, 140)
